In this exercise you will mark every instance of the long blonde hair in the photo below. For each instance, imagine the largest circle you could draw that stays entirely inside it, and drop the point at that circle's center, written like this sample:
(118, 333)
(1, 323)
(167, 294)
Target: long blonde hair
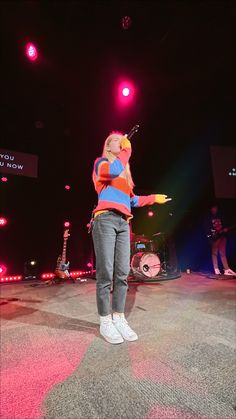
(111, 157)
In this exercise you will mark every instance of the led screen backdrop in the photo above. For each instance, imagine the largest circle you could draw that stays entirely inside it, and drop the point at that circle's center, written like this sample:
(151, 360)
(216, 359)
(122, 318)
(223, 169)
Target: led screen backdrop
(223, 161)
(17, 163)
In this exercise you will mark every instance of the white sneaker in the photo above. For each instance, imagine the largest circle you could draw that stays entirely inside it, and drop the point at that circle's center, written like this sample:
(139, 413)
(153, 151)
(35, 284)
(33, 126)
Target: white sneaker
(229, 272)
(123, 328)
(108, 331)
(217, 271)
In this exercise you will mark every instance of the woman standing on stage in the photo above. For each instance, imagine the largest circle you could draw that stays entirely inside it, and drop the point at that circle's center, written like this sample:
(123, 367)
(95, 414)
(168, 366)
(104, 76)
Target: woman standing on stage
(111, 234)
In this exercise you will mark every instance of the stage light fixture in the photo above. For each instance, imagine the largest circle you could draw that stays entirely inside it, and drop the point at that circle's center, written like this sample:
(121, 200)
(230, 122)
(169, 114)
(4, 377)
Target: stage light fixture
(4, 179)
(126, 22)
(3, 270)
(33, 262)
(30, 269)
(125, 91)
(3, 221)
(67, 224)
(31, 52)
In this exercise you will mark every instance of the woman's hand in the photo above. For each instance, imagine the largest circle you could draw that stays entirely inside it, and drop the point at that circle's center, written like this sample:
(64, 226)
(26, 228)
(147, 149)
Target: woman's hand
(125, 143)
(161, 199)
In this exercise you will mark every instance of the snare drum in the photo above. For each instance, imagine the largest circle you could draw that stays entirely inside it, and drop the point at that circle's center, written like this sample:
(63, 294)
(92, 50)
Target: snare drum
(145, 264)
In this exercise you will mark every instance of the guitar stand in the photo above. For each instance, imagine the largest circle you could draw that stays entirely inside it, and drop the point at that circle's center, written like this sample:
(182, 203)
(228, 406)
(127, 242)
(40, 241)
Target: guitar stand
(58, 281)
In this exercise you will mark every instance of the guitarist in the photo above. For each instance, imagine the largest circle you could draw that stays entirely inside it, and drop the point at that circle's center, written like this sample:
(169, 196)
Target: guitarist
(217, 235)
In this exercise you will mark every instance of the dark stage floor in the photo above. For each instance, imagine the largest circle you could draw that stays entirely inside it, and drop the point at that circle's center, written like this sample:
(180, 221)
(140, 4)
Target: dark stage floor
(55, 364)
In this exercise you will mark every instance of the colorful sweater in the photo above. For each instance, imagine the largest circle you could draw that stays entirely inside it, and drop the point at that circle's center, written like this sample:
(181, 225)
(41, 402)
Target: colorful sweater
(113, 190)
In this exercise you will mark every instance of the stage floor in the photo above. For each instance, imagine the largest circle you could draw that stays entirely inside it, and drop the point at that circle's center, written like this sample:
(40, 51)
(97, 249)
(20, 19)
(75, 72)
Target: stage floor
(55, 365)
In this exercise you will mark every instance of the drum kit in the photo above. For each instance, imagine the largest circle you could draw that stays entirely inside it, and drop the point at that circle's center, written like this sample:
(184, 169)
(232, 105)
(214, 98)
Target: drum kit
(148, 259)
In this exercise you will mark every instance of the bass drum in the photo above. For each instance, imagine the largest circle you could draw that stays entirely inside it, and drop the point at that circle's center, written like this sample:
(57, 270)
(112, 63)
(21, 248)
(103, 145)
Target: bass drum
(145, 264)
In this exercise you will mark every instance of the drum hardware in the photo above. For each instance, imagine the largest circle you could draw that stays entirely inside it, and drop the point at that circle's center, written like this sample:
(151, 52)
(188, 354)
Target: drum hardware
(164, 263)
(141, 243)
(139, 238)
(163, 246)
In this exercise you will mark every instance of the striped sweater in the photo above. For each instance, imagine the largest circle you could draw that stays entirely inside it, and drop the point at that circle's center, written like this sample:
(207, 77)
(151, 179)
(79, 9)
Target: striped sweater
(112, 187)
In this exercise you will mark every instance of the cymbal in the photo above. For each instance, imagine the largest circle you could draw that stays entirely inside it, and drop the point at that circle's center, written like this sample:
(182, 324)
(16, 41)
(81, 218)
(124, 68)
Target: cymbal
(140, 238)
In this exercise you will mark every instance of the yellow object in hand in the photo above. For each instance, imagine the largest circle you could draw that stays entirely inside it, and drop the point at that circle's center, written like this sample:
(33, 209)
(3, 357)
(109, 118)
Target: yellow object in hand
(125, 143)
(161, 199)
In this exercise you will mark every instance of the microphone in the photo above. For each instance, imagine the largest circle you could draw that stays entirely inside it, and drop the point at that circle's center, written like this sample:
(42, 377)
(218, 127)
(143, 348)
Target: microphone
(132, 132)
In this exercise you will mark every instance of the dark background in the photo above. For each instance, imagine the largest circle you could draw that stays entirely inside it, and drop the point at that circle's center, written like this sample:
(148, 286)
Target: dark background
(181, 58)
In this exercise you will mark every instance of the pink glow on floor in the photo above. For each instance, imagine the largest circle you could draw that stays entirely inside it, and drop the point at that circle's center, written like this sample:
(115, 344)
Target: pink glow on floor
(36, 367)
(162, 412)
(157, 370)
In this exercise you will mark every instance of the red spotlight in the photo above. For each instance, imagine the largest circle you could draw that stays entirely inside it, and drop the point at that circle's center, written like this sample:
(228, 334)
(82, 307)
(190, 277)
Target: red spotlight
(67, 187)
(31, 52)
(67, 224)
(3, 221)
(4, 179)
(150, 213)
(3, 270)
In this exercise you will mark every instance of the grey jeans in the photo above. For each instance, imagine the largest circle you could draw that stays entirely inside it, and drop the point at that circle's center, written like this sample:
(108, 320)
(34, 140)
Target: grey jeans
(111, 239)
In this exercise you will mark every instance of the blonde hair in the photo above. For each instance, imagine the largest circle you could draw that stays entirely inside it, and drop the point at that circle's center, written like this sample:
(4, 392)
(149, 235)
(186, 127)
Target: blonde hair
(111, 157)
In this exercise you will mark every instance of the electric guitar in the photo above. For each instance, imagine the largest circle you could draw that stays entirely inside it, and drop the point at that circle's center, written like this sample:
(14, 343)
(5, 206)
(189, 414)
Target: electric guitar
(62, 267)
(215, 235)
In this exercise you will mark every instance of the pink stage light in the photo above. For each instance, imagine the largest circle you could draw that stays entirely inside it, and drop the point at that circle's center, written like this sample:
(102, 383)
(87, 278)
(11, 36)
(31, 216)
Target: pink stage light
(47, 275)
(4, 179)
(10, 278)
(3, 221)
(126, 22)
(126, 92)
(67, 224)
(150, 213)
(31, 52)
(67, 187)
(3, 270)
